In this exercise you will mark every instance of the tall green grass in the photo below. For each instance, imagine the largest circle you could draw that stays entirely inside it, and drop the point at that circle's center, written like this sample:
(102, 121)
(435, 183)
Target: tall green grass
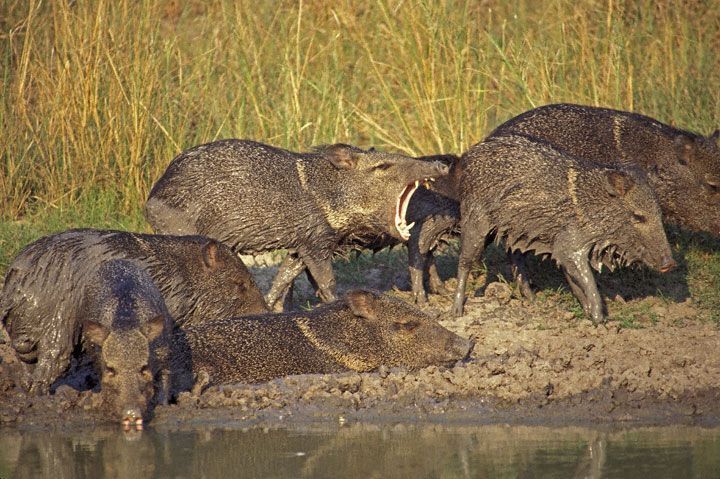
(97, 97)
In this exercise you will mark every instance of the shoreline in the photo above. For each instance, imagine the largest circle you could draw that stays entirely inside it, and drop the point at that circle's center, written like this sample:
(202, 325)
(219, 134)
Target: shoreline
(531, 365)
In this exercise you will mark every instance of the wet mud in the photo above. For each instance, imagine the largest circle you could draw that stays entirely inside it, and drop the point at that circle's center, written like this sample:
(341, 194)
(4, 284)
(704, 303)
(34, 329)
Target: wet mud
(533, 363)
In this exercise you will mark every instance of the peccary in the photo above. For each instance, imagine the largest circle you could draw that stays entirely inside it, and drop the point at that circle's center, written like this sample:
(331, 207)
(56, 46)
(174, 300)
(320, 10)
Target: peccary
(199, 278)
(123, 313)
(682, 168)
(360, 332)
(581, 214)
(435, 213)
(256, 198)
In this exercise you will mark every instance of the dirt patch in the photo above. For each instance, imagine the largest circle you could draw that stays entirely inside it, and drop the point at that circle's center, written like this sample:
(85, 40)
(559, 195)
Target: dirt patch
(532, 363)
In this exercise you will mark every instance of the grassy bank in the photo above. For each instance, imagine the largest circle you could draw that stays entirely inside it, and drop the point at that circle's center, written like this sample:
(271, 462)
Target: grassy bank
(97, 97)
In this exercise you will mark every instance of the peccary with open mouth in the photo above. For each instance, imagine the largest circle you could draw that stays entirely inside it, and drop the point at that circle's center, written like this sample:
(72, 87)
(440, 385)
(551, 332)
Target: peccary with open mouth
(257, 198)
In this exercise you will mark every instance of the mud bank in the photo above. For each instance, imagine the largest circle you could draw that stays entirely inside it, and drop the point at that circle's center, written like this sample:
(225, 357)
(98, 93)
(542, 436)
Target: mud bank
(533, 363)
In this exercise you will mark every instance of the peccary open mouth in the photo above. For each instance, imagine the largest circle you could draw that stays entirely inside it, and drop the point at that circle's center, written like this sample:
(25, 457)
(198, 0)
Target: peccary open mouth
(402, 205)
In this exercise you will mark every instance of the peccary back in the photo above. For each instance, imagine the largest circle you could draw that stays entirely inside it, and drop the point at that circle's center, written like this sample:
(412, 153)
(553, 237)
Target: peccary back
(537, 198)
(200, 279)
(123, 313)
(360, 332)
(256, 198)
(683, 168)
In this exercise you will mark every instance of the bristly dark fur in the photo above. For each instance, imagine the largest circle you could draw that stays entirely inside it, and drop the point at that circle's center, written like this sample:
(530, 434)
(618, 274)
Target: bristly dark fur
(258, 198)
(536, 198)
(360, 332)
(132, 328)
(200, 279)
(683, 168)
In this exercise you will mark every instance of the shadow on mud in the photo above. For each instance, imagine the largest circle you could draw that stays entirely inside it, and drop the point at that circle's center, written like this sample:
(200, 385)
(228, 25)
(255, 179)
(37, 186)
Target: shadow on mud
(387, 269)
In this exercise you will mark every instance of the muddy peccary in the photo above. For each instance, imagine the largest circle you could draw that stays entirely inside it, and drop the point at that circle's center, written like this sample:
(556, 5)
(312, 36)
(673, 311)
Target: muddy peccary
(682, 168)
(123, 313)
(256, 198)
(199, 278)
(360, 332)
(581, 214)
(435, 213)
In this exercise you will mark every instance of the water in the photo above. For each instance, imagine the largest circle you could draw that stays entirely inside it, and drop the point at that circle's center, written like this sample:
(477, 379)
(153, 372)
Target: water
(365, 451)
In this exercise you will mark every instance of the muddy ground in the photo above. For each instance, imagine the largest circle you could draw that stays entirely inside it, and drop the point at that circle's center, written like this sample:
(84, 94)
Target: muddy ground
(536, 362)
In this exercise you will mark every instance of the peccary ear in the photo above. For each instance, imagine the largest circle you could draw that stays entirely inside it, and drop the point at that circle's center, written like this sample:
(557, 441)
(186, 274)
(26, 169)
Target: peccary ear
(360, 302)
(684, 146)
(95, 333)
(153, 328)
(715, 136)
(342, 157)
(210, 254)
(618, 183)
(712, 180)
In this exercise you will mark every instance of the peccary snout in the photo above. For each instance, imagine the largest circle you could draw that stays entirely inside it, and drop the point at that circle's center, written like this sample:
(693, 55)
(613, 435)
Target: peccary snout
(361, 332)
(126, 381)
(668, 264)
(461, 348)
(442, 168)
(132, 416)
(334, 195)
(581, 214)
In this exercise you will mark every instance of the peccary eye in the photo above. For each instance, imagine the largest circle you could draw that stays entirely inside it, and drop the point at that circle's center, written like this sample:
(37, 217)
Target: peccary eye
(638, 218)
(382, 166)
(110, 371)
(145, 371)
(407, 326)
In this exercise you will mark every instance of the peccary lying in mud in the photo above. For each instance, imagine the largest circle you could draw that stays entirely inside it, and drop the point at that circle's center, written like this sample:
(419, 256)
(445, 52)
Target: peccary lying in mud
(435, 213)
(360, 333)
(682, 168)
(123, 313)
(257, 198)
(199, 278)
(581, 214)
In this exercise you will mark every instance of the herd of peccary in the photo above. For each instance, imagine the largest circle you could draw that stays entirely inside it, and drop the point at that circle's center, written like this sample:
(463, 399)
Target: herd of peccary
(179, 310)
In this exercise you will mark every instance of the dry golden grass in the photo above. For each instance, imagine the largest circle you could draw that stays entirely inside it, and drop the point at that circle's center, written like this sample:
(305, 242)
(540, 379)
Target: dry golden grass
(99, 96)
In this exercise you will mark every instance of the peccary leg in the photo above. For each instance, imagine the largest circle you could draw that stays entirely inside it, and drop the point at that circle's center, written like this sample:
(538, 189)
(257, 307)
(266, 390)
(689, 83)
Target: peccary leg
(435, 283)
(582, 283)
(416, 265)
(520, 275)
(321, 271)
(162, 384)
(287, 297)
(418, 269)
(472, 244)
(289, 269)
(54, 351)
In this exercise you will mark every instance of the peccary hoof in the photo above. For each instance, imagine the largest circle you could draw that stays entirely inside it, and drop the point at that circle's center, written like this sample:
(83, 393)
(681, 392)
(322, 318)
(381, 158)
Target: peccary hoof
(420, 299)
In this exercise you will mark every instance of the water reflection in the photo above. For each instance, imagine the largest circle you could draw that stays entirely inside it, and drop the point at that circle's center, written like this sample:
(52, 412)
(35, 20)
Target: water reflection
(364, 451)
